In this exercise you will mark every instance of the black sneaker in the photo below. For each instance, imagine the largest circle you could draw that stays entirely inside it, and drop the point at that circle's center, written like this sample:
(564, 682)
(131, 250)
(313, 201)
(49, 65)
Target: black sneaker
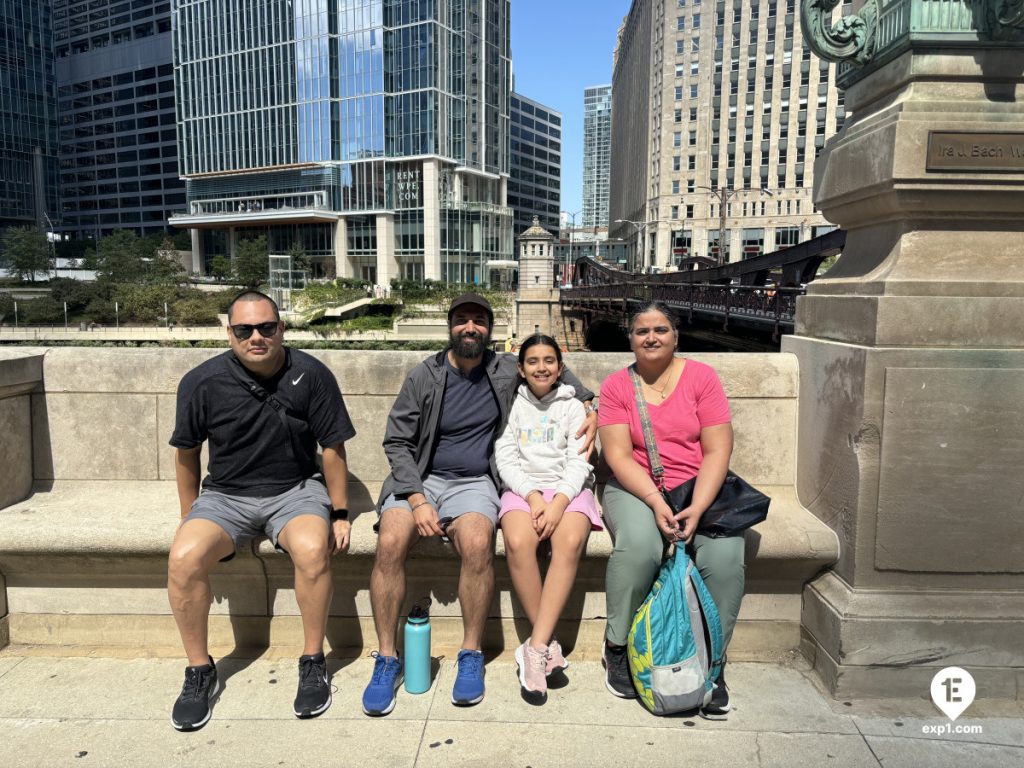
(719, 706)
(314, 696)
(618, 680)
(192, 709)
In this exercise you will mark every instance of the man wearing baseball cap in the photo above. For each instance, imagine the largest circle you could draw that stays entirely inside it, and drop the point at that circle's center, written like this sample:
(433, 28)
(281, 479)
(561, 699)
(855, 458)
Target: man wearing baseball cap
(439, 441)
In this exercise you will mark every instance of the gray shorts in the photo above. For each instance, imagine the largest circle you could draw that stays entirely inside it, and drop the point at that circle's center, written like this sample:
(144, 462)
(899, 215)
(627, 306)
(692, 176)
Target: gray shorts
(246, 517)
(454, 498)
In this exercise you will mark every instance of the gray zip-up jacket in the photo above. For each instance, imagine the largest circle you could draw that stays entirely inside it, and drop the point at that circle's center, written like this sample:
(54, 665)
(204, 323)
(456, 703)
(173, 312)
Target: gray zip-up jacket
(416, 415)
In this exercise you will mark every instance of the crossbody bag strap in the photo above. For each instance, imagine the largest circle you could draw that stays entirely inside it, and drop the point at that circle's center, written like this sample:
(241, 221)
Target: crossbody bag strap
(657, 470)
(255, 389)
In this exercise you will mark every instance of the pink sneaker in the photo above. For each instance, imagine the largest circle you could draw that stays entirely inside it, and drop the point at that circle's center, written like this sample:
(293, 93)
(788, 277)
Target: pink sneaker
(532, 666)
(555, 658)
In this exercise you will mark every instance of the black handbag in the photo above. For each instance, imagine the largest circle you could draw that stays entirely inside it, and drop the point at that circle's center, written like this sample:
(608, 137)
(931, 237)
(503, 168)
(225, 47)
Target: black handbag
(738, 505)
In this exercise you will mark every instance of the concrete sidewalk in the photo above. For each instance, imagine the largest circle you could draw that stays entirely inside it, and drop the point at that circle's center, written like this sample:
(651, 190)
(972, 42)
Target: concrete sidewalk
(86, 711)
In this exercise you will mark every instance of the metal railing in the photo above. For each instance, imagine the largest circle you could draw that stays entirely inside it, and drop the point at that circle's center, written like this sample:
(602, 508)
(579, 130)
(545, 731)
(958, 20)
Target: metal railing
(761, 291)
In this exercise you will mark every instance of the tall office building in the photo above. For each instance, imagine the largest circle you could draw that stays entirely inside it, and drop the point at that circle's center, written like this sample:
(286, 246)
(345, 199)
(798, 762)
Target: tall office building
(118, 146)
(28, 115)
(717, 103)
(372, 132)
(597, 154)
(535, 183)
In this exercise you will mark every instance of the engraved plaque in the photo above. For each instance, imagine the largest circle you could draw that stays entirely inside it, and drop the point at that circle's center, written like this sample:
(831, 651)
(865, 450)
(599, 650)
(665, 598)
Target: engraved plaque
(963, 151)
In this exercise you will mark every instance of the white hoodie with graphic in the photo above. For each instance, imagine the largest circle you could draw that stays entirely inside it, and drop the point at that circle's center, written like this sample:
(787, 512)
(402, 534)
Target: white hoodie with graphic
(538, 449)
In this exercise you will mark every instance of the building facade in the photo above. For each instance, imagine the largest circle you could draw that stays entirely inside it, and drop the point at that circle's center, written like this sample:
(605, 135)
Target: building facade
(597, 157)
(374, 133)
(118, 144)
(716, 103)
(535, 183)
(28, 115)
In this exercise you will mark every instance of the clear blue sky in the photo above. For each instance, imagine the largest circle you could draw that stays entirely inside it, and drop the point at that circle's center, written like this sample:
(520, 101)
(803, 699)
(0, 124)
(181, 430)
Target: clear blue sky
(560, 47)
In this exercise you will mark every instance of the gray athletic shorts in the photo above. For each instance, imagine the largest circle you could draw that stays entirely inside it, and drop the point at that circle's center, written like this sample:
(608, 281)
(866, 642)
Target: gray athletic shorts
(454, 498)
(246, 517)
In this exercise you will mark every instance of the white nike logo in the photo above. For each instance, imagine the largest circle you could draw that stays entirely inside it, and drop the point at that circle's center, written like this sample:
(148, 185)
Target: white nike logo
(296, 381)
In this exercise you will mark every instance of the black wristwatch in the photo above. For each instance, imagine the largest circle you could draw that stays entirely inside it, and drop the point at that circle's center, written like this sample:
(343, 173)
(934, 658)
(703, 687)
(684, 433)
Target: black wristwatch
(341, 513)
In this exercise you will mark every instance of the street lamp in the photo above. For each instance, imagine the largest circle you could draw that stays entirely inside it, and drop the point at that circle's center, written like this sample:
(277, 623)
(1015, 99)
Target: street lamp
(724, 195)
(53, 252)
(572, 230)
(639, 227)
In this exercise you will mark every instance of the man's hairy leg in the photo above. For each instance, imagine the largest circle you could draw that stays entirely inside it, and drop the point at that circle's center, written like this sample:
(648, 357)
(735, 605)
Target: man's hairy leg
(473, 537)
(198, 546)
(305, 539)
(387, 581)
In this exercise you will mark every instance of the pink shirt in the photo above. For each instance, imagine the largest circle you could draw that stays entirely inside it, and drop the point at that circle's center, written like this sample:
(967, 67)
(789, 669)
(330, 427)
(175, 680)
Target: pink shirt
(698, 401)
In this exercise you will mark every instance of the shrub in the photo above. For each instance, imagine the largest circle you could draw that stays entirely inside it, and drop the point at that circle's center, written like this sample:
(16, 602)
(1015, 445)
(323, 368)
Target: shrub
(42, 311)
(194, 311)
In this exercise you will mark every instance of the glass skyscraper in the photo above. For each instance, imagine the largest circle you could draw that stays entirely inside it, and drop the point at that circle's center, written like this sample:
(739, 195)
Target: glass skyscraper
(28, 115)
(535, 186)
(372, 132)
(597, 154)
(118, 142)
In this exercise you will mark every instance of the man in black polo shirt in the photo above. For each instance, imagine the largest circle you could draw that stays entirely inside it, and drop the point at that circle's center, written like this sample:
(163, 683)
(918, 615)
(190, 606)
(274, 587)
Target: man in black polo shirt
(440, 444)
(262, 408)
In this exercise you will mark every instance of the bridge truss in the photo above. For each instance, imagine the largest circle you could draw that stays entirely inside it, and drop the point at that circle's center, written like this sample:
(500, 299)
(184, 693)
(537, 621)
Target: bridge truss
(756, 295)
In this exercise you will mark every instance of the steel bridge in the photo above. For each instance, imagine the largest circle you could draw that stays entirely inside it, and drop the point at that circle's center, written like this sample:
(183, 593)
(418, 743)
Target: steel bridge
(754, 296)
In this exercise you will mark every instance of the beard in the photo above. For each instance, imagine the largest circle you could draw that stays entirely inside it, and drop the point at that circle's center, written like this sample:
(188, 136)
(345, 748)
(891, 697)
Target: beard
(469, 345)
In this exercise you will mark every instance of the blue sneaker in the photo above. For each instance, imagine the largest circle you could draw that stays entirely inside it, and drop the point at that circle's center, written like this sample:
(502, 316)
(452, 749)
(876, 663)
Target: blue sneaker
(469, 682)
(379, 696)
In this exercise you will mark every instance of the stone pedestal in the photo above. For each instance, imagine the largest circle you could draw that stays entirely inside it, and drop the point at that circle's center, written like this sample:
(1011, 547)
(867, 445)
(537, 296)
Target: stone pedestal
(911, 427)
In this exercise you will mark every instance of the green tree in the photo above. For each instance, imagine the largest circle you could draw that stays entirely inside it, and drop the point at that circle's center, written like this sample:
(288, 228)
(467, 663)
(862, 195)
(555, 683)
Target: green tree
(77, 293)
(163, 266)
(72, 249)
(121, 258)
(252, 265)
(144, 303)
(28, 252)
(6, 307)
(182, 240)
(300, 259)
(101, 310)
(194, 311)
(220, 267)
(45, 310)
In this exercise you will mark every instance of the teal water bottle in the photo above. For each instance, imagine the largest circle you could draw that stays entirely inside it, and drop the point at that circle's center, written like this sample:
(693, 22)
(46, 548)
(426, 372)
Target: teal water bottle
(417, 649)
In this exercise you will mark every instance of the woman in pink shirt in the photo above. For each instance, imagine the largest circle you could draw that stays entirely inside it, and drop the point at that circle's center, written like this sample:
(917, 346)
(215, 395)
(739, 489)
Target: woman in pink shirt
(693, 431)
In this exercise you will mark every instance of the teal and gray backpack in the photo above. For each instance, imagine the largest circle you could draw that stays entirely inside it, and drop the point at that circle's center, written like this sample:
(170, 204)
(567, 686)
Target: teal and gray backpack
(675, 643)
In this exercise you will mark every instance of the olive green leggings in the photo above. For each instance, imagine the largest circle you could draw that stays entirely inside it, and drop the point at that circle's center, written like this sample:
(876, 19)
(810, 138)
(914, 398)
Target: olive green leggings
(637, 556)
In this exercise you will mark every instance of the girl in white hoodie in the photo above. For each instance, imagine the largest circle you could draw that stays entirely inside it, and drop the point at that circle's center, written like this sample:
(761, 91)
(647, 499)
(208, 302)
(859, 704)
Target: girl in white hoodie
(539, 460)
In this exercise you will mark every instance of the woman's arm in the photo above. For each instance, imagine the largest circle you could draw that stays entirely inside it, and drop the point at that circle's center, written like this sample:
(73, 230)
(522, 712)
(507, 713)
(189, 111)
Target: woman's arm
(716, 445)
(617, 446)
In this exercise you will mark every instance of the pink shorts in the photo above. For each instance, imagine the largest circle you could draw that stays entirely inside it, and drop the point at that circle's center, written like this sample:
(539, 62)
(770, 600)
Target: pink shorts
(584, 503)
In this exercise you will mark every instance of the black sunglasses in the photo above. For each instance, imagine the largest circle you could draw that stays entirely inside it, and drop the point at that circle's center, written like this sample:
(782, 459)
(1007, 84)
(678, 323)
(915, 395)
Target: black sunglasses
(243, 331)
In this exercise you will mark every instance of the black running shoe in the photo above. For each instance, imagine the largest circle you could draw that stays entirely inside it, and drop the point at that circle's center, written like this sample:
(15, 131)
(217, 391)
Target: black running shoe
(719, 706)
(314, 696)
(618, 680)
(192, 709)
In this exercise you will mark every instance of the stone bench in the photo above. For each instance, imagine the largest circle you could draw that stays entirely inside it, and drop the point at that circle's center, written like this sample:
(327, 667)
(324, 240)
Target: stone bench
(88, 509)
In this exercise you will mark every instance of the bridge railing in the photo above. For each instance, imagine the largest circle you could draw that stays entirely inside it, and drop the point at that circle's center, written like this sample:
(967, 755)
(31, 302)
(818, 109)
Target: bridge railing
(762, 305)
(762, 290)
